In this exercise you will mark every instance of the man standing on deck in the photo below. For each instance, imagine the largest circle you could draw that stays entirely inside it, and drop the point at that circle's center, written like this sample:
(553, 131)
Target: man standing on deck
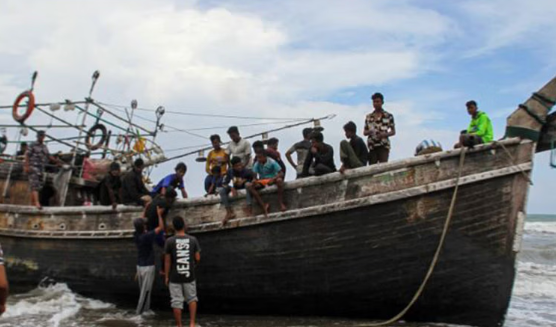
(4, 288)
(35, 161)
(182, 254)
(479, 130)
(134, 191)
(379, 126)
(301, 149)
(239, 147)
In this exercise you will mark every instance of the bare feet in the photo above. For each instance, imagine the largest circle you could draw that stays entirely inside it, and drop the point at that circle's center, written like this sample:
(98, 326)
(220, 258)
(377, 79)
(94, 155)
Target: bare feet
(283, 207)
(229, 215)
(266, 208)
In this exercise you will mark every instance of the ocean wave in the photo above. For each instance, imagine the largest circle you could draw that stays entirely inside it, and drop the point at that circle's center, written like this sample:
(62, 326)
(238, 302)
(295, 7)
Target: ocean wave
(540, 227)
(535, 281)
(534, 296)
(48, 306)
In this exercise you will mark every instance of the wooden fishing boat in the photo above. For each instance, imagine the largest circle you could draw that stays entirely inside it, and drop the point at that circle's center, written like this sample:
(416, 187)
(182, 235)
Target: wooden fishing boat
(355, 245)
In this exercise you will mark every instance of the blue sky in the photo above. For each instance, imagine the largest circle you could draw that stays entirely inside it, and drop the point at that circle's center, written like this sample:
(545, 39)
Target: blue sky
(288, 59)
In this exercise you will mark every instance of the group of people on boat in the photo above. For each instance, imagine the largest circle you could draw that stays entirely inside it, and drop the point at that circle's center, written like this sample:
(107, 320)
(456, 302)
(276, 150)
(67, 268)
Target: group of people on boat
(228, 171)
(234, 168)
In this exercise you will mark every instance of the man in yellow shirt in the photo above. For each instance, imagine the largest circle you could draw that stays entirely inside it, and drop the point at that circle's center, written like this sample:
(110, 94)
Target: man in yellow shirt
(216, 157)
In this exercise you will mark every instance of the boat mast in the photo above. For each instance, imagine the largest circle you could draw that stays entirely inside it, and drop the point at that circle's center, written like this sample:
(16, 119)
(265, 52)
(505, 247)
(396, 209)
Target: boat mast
(64, 190)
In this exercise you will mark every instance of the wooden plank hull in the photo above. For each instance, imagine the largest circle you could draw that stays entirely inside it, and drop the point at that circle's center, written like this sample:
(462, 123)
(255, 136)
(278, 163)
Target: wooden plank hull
(361, 260)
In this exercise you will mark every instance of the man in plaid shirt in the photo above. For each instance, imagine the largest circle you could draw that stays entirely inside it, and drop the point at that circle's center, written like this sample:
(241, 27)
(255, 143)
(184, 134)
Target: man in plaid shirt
(379, 126)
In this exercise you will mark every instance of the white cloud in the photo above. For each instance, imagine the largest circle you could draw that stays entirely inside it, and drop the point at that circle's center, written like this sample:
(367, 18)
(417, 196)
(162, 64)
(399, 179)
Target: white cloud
(504, 23)
(253, 61)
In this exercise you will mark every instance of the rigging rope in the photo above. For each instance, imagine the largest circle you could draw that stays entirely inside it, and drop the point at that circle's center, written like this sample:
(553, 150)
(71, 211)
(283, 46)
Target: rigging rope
(250, 136)
(512, 161)
(436, 254)
(185, 113)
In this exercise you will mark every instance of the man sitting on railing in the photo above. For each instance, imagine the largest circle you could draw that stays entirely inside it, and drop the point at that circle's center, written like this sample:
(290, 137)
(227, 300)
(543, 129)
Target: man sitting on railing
(174, 181)
(239, 176)
(354, 154)
(479, 130)
(268, 173)
(134, 191)
(216, 157)
(110, 188)
(320, 158)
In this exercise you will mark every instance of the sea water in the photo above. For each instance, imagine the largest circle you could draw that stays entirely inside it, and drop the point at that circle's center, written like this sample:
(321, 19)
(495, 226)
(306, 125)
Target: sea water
(533, 302)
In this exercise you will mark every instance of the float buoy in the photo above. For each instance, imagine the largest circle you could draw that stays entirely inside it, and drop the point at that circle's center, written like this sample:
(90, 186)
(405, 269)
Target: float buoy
(92, 132)
(30, 106)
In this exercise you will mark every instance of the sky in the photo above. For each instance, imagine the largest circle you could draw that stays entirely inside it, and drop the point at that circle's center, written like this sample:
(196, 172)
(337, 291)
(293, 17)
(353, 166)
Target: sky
(284, 59)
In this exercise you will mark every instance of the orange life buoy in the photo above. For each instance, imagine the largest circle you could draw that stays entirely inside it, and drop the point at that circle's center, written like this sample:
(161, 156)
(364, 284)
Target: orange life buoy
(30, 106)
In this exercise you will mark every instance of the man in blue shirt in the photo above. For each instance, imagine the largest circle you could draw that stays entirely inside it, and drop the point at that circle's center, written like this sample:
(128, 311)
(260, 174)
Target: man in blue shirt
(174, 181)
(268, 172)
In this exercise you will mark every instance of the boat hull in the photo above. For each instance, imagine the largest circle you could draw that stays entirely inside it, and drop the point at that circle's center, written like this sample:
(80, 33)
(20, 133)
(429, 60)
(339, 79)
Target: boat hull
(364, 257)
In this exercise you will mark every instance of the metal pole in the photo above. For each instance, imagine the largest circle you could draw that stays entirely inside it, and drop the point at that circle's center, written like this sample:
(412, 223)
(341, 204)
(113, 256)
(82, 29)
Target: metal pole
(249, 137)
(95, 77)
(64, 190)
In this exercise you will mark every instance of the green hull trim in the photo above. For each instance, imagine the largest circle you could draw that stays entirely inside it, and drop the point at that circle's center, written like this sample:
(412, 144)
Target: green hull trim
(525, 133)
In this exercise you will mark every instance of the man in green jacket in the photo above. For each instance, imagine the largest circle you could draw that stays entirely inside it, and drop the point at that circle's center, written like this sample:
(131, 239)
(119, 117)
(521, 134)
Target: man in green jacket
(479, 130)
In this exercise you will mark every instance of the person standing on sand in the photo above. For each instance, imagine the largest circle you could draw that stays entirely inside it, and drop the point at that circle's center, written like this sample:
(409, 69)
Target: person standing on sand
(144, 241)
(182, 254)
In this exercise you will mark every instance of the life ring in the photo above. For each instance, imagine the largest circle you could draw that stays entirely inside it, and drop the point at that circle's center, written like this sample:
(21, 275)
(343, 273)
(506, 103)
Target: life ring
(30, 106)
(91, 133)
